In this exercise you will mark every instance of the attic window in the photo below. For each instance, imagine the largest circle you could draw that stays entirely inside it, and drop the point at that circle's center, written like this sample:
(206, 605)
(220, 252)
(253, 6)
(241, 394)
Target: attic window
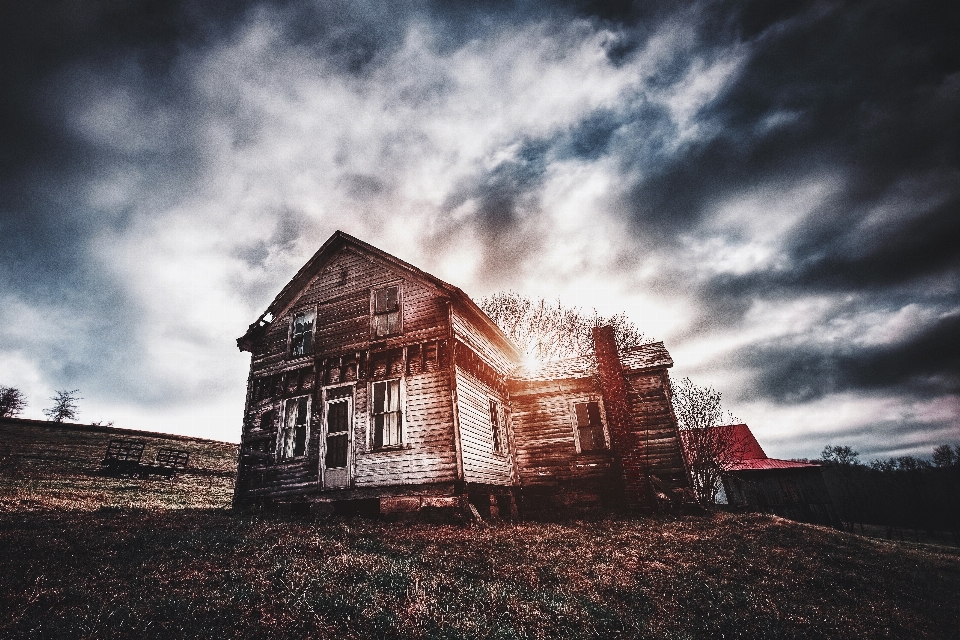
(301, 334)
(386, 311)
(590, 426)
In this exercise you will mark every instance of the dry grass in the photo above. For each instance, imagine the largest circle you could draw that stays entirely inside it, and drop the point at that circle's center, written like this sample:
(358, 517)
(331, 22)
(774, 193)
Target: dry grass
(69, 570)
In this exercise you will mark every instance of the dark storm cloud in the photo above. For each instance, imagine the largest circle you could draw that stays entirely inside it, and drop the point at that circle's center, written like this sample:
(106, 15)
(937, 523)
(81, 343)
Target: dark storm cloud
(864, 89)
(925, 365)
(118, 114)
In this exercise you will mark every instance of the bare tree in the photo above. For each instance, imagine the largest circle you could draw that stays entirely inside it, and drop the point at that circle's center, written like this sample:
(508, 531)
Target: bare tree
(64, 406)
(547, 331)
(12, 402)
(711, 442)
(840, 455)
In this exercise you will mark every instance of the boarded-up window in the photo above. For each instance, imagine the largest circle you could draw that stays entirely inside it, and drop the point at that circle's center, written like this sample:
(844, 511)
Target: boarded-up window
(386, 413)
(590, 426)
(301, 334)
(495, 426)
(293, 435)
(386, 311)
(338, 423)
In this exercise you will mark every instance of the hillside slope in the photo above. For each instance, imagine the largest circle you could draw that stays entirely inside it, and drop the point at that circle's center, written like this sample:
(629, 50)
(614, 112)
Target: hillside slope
(45, 465)
(83, 556)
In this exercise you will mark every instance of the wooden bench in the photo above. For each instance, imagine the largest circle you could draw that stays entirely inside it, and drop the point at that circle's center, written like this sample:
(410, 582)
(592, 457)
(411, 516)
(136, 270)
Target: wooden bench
(123, 457)
(168, 463)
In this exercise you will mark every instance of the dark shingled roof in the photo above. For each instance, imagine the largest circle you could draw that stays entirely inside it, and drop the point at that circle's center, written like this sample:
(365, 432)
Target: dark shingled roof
(647, 356)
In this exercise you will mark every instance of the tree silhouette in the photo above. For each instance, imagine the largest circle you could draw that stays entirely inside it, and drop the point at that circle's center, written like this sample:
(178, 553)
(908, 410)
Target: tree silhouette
(547, 331)
(12, 402)
(710, 442)
(64, 406)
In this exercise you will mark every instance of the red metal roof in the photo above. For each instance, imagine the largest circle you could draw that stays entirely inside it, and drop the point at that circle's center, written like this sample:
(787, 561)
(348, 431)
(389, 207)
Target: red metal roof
(748, 450)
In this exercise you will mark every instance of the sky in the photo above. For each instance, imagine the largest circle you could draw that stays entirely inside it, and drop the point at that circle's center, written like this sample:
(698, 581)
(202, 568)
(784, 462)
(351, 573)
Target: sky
(772, 189)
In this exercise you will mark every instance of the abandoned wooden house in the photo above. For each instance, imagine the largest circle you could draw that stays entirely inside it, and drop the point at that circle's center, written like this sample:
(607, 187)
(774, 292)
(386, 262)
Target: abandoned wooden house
(376, 387)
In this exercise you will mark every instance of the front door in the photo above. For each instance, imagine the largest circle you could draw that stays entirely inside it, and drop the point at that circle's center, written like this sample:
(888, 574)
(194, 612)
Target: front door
(338, 414)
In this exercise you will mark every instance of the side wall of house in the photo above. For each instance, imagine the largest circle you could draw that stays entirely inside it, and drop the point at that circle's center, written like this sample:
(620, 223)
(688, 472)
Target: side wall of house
(481, 368)
(655, 426)
(481, 462)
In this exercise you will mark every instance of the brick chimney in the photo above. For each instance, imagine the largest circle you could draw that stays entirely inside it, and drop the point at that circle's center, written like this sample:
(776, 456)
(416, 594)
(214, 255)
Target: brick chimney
(623, 432)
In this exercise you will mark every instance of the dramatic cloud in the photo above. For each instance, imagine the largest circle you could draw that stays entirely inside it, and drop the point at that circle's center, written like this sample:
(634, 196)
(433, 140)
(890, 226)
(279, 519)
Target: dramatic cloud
(771, 189)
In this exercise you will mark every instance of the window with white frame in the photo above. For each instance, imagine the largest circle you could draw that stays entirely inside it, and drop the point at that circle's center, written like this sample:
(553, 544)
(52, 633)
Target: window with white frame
(387, 413)
(292, 436)
(301, 333)
(496, 426)
(386, 311)
(589, 426)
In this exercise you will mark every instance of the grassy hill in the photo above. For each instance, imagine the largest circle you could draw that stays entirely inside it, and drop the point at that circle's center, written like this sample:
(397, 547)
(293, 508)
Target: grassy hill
(165, 559)
(49, 465)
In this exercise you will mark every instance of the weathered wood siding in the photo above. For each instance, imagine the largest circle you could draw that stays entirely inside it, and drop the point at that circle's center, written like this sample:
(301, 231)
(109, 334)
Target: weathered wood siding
(543, 427)
(655, 426)
(341, 295)
(343, 350)
(467, 331)
(427, 454)
(481, 464)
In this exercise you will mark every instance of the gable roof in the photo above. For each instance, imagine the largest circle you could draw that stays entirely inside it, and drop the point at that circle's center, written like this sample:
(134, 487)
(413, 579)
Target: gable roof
(327, 251)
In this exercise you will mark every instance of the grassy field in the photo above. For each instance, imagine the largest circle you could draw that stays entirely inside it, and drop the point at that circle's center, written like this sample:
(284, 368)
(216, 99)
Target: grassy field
(58, 466)
(166, 559)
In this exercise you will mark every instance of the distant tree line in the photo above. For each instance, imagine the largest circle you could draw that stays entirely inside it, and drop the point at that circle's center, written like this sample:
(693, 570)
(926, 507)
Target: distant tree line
(64, 407)
(905, 494)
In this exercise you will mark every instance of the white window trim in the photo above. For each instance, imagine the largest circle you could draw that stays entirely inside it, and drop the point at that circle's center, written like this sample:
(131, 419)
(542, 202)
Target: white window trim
(281, 426)
(371, 425)
(572, 408)
(373, 295)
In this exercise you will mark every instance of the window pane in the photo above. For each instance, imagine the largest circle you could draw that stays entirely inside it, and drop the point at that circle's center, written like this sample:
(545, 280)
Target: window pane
(379, 389)
(380, 326)
(336, 417)
(336, 451)
(495, 424)
(379, 300)
(593, 411)
(392, 435)
(300, 440)
(391, 298)
(583, 417)
(378, 424)
(393, 394)
(302, 410)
